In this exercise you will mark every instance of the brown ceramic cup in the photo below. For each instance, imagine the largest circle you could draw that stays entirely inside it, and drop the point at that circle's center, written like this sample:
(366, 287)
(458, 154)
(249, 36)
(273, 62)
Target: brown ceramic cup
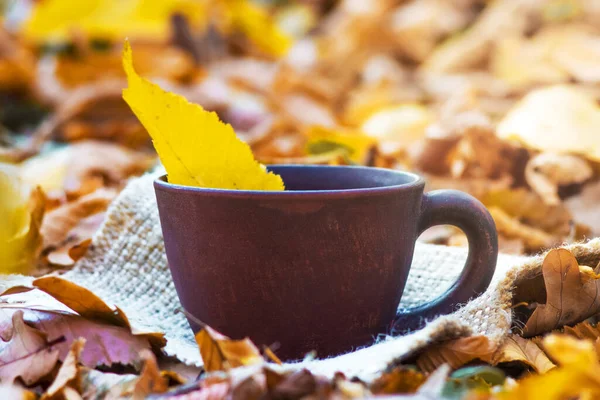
(320, 266)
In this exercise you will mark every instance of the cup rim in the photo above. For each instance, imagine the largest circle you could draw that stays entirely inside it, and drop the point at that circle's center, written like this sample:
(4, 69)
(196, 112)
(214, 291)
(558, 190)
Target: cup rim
(416, 182)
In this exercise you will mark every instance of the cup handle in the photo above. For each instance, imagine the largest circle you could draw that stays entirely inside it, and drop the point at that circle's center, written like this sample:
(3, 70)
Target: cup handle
(452, 207)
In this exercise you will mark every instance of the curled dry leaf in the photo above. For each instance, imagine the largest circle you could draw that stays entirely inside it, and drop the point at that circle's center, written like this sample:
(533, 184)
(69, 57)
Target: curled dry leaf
(456, 353)
(221, 353)
(518, 349)
(68, 374)
(571, 294)
(21, 213)
(546, 172)
(27, 354)
(72, 224)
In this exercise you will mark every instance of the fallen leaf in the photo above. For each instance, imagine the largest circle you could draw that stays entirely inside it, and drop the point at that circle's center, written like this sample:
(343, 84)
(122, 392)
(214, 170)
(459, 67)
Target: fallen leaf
(456, 353)
(583, 330)
(547, 172)
(571, 294)
(256, 23)
(72, 224)
(569, 128)
(93, 162)
(221, 353)
(530, 209)
(576, 375)
(533, 239)
(68, 373)
(110, 339)
(22, 211)
(55, 20)
(150, 381)
(397, 127)
(517, 349)
(79, 299)
(196, 148)
(356, 146)
(399, 380)
(27, 354)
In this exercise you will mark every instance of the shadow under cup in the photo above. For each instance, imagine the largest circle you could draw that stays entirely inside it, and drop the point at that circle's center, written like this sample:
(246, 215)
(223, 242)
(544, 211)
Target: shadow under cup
(320, 266)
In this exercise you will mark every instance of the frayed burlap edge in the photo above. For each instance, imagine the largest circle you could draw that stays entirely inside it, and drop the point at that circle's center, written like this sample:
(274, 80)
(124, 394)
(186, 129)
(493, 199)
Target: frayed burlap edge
(126, 266)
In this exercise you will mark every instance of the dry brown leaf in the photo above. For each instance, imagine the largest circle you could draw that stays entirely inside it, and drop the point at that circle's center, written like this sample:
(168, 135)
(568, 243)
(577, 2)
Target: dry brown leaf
(110, 338)
(533, 239)
(68, 373)
(530, 209)
(480, 154)
(79, 299)
(69, 226)
(151, 380)
(399, 380)
(517, 349)
(85, 303)
(583, 330)
(546, 172)
(27, 354)
(456, 353)
(221, 353)
(571, 294)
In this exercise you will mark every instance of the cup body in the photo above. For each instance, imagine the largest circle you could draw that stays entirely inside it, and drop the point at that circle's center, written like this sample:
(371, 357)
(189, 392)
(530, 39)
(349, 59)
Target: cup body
(320, 266)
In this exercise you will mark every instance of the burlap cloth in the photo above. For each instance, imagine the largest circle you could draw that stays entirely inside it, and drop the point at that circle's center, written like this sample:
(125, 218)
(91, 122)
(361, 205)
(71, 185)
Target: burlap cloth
(126, 266)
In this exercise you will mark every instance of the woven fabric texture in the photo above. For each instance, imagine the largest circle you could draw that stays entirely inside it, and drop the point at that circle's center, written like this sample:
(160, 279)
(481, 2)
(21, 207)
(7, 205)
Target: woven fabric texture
(126, 266)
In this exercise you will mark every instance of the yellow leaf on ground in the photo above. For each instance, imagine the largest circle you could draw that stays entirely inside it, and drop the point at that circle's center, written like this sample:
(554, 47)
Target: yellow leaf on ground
(400, 125)
(195, 147)
(55, 20)
(578, 373)
(456, 353)
(256, 23)
(571, 294)
(21, 213)
(515, 348)
(558, 119)
(221, 353)
(356, 145)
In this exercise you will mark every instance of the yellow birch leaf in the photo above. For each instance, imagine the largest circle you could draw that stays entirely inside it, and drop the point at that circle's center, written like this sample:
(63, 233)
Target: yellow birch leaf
(195, 147)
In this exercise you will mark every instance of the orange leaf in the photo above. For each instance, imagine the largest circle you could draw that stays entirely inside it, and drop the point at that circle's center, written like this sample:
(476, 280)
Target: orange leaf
(221, 353)
(456, 353)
